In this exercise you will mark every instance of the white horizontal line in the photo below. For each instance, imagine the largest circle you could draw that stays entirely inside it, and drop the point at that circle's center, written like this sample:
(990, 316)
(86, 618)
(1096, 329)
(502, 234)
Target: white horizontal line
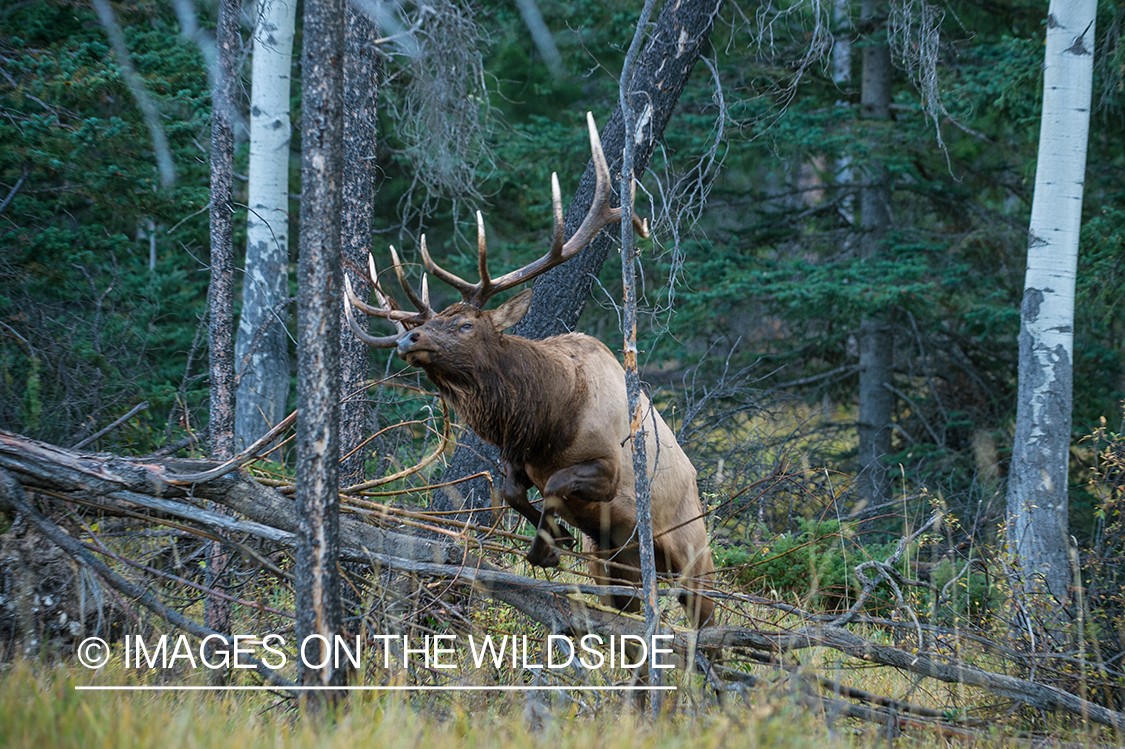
(296, 688)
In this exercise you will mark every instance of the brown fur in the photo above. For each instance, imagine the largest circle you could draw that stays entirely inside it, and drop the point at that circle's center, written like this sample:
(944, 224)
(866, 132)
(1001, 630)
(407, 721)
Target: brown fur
(557, 410)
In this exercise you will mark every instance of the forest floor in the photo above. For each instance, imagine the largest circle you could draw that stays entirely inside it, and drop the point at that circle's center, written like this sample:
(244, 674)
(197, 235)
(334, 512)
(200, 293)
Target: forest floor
(835, 687)
(41, 707)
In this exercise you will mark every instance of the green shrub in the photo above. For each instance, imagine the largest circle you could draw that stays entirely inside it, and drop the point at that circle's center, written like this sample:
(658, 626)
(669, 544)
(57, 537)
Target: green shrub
(815, 565)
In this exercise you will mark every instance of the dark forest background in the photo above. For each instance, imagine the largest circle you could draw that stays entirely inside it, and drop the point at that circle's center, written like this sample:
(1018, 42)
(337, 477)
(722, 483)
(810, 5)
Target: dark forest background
(754, 287)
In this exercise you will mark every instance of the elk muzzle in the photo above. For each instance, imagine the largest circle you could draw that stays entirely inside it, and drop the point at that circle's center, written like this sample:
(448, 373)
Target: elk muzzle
(413, 346)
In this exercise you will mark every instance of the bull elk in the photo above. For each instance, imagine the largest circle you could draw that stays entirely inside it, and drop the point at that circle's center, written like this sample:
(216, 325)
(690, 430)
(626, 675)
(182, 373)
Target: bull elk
(556, 408)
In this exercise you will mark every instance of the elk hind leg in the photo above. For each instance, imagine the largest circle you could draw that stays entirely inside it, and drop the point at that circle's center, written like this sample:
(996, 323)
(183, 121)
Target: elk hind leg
(695, 569)
(606, 573)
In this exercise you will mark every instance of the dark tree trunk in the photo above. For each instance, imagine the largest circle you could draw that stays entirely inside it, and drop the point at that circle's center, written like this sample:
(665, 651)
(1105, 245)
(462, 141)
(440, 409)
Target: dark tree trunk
(876, 334)
(220, 295)
(361, 96)
(682, 30)
(318, 336)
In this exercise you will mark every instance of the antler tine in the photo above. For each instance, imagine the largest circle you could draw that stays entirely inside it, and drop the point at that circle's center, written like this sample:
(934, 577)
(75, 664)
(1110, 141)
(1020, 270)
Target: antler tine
(386, 312)
(484, 289)
(597, 218)
(349, 293)
(389, 341)
(372, 272)
(421, 305)
(385, 303)
(556, 202)
(600, 214)
(468, 290)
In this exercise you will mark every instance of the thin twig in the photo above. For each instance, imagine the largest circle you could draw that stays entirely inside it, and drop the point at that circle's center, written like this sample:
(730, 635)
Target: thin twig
(13, 191)
(13, 495)
(103, 432)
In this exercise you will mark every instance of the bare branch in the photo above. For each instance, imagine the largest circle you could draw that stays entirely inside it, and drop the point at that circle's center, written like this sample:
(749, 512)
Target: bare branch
(136, 85)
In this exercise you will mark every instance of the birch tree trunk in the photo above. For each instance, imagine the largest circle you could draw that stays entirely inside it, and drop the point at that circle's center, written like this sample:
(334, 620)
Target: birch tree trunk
(318, 340)
(220, 294)
(876, 336)
(263, 389)
(1037, 484)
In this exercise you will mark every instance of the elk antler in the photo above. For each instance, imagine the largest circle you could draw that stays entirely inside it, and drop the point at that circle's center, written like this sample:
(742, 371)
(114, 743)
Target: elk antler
(388, 308)
(600, 215)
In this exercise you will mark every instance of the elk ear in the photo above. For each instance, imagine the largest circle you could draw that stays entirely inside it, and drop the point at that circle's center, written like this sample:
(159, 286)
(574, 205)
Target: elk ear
(510, 312)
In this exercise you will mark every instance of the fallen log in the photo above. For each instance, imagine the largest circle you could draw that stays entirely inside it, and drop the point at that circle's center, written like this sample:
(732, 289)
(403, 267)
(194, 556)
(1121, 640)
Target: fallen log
(154, 486)
(12, 495)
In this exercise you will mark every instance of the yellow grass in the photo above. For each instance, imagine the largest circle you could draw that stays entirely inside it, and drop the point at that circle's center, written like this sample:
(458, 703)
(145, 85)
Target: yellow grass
(39, 707)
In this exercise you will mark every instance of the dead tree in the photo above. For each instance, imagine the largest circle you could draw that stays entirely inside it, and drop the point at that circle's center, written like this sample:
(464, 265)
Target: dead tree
(318, 332)
(681, 32)
(220, 295)
(361, 96)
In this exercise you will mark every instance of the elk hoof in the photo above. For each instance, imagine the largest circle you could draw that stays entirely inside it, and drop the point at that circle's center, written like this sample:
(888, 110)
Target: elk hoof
(542, 553)
(551, 559)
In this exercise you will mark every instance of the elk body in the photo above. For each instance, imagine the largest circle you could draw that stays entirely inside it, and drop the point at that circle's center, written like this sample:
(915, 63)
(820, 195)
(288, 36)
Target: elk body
(557, 410)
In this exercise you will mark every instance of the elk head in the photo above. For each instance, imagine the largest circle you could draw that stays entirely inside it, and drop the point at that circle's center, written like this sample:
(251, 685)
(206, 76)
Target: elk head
(447, 342)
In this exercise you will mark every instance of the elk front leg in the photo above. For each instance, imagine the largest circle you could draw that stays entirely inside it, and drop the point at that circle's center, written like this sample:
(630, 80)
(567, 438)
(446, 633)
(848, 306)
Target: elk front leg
(542, 552)
(592, 481)
(514, 491)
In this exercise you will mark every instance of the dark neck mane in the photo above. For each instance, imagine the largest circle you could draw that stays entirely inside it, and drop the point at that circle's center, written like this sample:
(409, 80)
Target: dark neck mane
(522, 399)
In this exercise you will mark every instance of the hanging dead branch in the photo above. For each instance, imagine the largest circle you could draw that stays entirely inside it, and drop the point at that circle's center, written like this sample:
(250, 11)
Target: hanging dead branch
(440, 105)
(914, 33)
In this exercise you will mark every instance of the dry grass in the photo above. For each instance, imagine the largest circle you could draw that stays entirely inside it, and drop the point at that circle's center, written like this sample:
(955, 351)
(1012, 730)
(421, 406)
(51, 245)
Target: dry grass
(39, 707)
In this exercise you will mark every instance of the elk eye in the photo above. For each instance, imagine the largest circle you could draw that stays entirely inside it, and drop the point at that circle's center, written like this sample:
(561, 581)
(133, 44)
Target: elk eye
(466, 327)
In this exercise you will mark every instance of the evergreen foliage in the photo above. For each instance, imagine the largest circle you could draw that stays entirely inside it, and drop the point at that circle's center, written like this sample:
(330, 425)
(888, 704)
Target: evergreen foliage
(768, 281)
(86, 329)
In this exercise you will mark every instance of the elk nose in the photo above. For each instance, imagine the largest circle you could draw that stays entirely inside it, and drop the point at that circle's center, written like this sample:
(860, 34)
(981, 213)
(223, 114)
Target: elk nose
(407, 341)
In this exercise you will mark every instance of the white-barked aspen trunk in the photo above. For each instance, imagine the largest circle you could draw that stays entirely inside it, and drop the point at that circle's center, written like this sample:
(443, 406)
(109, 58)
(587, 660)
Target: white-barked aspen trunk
(1037, 489)
(264, 388)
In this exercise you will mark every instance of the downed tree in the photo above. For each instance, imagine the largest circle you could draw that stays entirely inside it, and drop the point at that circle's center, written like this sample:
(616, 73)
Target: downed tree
(155, 490)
